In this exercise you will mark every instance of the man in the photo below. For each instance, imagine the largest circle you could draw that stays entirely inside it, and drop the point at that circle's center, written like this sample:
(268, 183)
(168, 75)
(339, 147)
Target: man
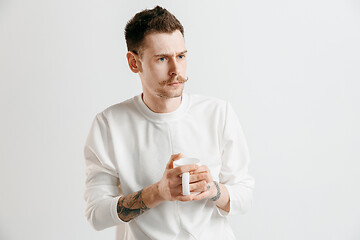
(131, 180)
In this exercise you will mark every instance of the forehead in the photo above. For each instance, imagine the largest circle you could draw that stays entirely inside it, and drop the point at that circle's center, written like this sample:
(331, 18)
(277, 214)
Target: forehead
(163, 43)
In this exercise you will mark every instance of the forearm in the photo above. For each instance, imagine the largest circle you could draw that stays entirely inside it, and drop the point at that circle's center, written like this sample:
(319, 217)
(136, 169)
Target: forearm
(133, 205)
(224, 200)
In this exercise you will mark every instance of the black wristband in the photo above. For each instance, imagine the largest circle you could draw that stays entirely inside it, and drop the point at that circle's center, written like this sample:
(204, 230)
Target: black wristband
(218, 192)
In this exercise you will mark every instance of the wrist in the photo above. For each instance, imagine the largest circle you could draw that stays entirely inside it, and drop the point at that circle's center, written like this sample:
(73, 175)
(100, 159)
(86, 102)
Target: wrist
(157, 192)
(223, 202)
(151, 196)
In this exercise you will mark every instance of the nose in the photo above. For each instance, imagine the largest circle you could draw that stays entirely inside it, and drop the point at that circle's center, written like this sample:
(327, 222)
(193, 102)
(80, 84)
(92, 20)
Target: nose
(174, 67)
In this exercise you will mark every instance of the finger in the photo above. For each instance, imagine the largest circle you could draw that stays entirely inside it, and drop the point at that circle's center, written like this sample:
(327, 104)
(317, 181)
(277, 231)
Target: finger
(186, 198)
(196, 177)
(198, 186)
(173, 158)
(200, 196)
(184, 168)
(202, 168)
(206, 171)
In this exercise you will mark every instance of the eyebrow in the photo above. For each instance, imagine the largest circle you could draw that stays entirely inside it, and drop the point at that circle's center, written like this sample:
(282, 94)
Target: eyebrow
(169, 55)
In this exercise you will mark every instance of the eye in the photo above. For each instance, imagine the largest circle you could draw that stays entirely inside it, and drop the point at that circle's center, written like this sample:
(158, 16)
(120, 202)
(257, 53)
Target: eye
(181, 56)
(162, 59)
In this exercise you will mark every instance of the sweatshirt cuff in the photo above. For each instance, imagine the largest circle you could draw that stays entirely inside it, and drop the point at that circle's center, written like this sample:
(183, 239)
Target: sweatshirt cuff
(113, 210)
(224, 213)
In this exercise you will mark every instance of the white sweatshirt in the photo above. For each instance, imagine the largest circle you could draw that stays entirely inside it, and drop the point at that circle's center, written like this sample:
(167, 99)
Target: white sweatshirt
(127, 150)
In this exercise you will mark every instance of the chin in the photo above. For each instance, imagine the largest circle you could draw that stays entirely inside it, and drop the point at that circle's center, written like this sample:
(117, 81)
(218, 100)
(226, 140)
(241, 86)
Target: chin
(169, 94)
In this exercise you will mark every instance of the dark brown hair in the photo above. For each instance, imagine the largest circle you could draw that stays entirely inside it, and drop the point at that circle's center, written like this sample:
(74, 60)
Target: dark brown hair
(149, 21)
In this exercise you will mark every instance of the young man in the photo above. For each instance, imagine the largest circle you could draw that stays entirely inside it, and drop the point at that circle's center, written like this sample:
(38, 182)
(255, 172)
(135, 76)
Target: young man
(131, 180)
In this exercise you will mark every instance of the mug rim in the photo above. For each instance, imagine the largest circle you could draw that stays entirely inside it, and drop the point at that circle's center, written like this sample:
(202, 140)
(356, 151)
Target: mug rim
(186, 161)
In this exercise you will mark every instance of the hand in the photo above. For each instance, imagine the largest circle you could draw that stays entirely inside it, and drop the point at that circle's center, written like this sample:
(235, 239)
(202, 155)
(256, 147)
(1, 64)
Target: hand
(170, 188)
(201, 181)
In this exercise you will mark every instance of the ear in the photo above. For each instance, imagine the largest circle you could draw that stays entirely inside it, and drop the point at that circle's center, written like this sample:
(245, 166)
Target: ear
(133, 61)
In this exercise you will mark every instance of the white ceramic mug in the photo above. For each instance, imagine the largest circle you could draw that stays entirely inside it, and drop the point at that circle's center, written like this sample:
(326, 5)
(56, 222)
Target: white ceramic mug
(186, 176)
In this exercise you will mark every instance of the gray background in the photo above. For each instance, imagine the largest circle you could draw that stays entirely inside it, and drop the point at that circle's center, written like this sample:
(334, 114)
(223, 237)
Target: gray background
(289, 68)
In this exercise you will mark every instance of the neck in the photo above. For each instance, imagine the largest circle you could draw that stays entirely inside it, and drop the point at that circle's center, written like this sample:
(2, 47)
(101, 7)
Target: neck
(160, 104)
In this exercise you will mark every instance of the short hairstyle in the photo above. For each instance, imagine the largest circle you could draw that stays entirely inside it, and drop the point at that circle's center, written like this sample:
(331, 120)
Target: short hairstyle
(156, 20)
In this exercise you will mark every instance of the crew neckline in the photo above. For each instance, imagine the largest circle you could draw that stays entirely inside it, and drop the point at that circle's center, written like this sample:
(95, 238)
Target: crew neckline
(163, 117)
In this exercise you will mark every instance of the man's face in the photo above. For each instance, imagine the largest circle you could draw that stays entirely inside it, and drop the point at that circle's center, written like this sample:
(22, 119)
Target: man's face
(163, 65)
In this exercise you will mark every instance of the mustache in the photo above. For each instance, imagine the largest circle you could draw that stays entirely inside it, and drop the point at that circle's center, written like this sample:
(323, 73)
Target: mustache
(175, 79)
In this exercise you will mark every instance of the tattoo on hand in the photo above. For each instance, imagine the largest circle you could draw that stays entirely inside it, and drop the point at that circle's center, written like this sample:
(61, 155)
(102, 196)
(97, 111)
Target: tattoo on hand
(131, 206)
(218, 194)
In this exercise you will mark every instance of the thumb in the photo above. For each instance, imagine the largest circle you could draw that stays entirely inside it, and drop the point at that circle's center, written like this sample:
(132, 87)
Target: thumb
(173, 158)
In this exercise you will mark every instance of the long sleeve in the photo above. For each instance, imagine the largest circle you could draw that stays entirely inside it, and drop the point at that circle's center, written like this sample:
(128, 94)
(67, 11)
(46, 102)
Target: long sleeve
(102, 183)
(235, 160)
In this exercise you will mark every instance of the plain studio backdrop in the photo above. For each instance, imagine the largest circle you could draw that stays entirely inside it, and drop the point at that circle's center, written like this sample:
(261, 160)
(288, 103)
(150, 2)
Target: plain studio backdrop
(291, 70)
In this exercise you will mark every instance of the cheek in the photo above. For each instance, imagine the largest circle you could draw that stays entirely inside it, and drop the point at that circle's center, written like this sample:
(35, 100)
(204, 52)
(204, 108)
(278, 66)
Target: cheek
(183, 66)
(153, 69)
(159, 68)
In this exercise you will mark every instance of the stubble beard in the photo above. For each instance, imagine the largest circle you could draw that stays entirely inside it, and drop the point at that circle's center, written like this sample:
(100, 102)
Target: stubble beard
(163, 92)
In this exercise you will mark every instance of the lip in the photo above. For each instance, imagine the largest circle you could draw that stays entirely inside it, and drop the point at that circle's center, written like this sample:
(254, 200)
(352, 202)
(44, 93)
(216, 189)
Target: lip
(174, 84)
